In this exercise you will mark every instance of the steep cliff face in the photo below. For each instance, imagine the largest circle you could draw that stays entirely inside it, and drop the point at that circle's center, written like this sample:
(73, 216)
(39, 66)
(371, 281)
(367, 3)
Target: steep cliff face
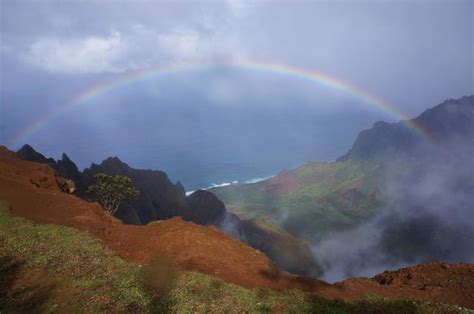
(451, 119)
(159, 198)
(384, 140)
(207, 209)
(66, 168)
(445, 125)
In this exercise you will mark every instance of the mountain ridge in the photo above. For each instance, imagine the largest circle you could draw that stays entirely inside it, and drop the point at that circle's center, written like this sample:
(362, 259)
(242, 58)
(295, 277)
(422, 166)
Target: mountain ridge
(387, 139)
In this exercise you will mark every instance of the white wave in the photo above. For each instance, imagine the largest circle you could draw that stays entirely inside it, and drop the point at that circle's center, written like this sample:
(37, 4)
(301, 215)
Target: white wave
(213, 185)
(218, 185)
(256, 180)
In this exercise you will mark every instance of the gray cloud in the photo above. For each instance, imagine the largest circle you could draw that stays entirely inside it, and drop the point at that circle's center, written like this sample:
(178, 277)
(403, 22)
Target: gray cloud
(98, 37)
(411, 53)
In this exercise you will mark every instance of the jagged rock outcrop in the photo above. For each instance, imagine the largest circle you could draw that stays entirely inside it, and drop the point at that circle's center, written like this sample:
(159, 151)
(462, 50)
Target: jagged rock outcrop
(159, 198)
(30, 154)
(66, 168)
(207, 209)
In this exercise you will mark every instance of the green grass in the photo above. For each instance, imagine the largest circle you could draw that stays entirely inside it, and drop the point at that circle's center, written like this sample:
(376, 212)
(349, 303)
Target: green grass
(50, 268)
(95, 277)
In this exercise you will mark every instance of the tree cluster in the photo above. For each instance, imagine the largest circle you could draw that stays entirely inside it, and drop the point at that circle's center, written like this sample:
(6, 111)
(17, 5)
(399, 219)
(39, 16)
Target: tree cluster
(112, 191)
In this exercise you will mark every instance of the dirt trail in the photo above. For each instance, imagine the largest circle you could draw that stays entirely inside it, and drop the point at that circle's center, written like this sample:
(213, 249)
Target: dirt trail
(33, 193)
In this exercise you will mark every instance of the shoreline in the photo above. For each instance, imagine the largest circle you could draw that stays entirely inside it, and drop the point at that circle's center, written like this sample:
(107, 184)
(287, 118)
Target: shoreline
(235, 182)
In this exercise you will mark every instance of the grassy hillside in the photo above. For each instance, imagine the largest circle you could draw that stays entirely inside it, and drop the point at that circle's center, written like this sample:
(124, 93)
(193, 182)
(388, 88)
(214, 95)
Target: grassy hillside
(49, 268)
(310, 200)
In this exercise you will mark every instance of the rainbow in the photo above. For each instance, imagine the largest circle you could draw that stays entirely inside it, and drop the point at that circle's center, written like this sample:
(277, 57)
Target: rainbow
(282, 69)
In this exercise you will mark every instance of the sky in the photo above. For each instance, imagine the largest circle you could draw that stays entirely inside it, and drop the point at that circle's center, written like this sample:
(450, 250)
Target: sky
(411, 54)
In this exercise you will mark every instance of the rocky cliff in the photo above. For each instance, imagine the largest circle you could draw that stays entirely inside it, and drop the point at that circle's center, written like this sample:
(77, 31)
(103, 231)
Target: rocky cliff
(444, 125)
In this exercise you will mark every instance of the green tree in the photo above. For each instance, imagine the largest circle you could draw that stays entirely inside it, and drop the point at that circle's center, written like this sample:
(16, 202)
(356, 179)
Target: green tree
(112, 191)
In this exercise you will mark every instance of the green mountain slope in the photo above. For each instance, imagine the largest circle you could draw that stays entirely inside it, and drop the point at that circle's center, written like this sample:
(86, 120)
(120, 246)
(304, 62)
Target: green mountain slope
(310, 200)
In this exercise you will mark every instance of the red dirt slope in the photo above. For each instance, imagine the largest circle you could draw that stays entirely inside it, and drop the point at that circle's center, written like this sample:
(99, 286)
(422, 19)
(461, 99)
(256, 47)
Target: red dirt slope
(33, 192)
(446, 283)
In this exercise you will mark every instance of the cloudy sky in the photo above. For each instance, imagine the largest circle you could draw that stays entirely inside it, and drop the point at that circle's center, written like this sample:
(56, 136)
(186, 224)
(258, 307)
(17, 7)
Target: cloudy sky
(412, 54)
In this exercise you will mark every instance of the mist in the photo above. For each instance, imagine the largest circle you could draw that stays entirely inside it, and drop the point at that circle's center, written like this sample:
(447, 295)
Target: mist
(427, 216)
